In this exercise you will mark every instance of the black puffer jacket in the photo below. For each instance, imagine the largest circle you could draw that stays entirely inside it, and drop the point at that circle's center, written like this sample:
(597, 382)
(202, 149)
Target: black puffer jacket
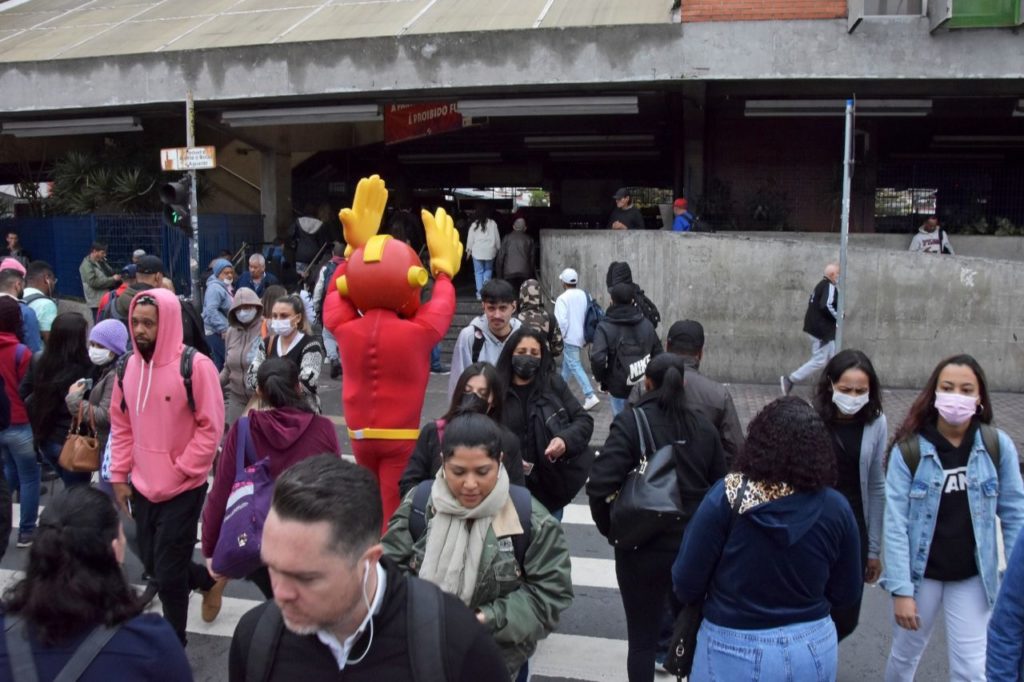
(700, 463)
(624, 343)
(552, 410)
(425, 461)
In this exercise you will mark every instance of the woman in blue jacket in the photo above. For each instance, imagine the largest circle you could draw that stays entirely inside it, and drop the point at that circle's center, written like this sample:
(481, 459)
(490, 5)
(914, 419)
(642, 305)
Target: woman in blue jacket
(950, 475)
(771, 551)
(1004, 658)
(216, 305)
(849, 400)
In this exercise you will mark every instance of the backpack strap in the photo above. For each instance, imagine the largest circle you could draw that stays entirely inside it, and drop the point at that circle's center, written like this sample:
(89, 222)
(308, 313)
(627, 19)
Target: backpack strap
(425, 616)
(263, 647)
(241, 445)
(188, 354)
(86, 653)
(910, 448)
(523, 501)
(418, 514)
(19, 651)
(478, 345)
(19, 355)
(990, 439)
(119, 370)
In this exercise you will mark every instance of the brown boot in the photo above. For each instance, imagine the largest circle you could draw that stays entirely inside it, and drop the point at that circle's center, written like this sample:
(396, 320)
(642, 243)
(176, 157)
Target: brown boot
(212, 600)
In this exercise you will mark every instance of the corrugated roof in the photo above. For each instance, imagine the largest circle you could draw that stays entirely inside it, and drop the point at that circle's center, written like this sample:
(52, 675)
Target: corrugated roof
(66, 29)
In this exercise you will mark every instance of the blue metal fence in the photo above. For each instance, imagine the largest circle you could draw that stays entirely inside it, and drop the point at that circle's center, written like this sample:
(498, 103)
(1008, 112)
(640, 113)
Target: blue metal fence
(63, 241)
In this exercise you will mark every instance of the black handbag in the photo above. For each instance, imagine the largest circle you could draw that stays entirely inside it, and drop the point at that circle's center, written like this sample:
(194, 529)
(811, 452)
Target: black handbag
(649, 502)
(679, 661)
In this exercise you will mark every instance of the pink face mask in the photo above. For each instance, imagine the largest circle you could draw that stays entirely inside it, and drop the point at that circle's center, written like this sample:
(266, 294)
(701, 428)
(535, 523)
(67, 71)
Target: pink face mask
(956, 408)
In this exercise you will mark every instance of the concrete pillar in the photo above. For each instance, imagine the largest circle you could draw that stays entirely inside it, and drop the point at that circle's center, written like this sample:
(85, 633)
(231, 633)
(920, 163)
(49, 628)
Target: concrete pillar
(694, 112)
(275, 192)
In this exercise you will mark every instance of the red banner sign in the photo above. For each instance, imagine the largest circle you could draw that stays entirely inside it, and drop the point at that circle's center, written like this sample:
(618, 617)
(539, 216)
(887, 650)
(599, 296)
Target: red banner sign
(408, 121)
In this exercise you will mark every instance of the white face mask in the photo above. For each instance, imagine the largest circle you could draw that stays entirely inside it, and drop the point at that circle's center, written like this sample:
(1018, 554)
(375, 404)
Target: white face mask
(228, 280)
(100, 356)
(246, 315)
(281, 327)
(849, 404)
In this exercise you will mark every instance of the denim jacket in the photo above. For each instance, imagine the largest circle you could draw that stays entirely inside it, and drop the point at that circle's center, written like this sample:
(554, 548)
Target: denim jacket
(912, 505)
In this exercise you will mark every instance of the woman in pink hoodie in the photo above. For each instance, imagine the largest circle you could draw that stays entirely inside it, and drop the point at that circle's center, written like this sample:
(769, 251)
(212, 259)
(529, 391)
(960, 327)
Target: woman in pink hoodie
(286, 433)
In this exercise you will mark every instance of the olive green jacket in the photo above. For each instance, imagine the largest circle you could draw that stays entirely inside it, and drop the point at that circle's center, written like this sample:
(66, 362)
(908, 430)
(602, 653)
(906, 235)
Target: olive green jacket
(519, 610)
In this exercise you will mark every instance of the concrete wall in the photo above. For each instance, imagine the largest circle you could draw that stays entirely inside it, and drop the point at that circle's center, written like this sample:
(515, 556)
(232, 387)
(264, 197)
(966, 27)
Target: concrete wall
(905, 311)
(1001, 248)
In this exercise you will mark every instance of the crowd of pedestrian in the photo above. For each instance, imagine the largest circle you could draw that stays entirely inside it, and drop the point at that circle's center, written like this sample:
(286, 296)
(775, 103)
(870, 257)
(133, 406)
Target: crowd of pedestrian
(737, 556)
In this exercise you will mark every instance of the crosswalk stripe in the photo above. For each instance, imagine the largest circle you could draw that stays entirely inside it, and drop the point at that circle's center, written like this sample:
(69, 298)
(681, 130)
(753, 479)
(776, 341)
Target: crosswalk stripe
(588, 572)
(577, 514)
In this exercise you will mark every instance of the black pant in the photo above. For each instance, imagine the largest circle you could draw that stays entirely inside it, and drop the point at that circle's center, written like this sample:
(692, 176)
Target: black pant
(6, 512)
(846, 619)
(167, 538)
(261, 579)
(645, 582)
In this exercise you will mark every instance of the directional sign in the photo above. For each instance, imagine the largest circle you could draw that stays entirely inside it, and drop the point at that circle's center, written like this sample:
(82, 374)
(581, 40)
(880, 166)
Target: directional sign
(188, 158)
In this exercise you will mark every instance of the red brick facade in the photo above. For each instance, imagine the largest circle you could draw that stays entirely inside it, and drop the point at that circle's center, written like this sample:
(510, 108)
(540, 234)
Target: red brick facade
(761, 10)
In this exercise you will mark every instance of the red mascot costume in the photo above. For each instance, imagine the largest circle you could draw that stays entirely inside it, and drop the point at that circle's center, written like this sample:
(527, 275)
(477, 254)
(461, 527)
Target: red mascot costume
(384, 335)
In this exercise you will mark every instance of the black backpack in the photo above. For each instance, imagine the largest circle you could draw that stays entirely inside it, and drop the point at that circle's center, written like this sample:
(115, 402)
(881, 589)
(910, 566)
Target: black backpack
(327, 273)
(22, 660)
(425, 616)
(110, 311)
(631, 359)
(188, 354)
(521, 498)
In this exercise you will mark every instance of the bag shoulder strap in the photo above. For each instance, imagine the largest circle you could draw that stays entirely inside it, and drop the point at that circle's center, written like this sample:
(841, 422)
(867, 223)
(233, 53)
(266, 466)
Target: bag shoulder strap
(265, 639)
(990, 438)
(418, 514)
(188, 354)
(478, 345)
(523, 501)
(646, 435)
(119, 370)
(241, 445)
(86, 653)
(425, 616)
(910, 449)
(19, 651)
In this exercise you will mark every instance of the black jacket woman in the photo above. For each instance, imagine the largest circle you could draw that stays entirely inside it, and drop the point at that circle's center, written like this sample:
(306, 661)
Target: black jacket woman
(478, 389)
(77, 554)
(554, 431)
(64, 361)
(645, 572)
(849, 400)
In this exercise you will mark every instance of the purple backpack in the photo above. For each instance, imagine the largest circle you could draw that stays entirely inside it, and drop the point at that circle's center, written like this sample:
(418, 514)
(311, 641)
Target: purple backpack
(237, 553)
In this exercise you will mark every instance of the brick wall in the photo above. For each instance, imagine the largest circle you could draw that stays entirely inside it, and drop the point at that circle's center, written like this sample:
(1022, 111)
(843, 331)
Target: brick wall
(761, 10)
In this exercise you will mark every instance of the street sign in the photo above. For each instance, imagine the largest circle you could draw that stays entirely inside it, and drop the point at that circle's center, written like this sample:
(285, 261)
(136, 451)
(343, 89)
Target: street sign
(188, 158)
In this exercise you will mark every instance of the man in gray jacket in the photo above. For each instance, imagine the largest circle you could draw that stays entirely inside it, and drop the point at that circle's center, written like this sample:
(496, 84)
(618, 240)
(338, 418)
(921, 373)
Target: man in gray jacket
(483, 339)
(97, 276)
(517, 256)
(704, 395)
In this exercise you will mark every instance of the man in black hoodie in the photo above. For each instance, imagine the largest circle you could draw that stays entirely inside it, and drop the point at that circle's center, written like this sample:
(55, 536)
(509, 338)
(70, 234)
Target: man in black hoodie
(625, 341)
(820, 325)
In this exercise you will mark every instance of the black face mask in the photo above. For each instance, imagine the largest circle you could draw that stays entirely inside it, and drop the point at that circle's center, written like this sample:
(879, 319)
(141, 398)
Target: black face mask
(525, 366)
(473, 402)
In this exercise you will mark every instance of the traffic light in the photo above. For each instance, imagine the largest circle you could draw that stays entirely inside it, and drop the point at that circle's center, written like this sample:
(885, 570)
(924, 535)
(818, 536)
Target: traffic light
(177, 198)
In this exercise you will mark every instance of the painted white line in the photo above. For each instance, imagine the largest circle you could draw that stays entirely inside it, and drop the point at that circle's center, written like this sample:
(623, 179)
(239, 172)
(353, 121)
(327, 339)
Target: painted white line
(594, 573)
(577, 514)
(580, 658)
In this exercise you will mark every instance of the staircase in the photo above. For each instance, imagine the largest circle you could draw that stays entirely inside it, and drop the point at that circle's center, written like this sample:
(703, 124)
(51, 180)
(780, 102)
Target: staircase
(467, 308)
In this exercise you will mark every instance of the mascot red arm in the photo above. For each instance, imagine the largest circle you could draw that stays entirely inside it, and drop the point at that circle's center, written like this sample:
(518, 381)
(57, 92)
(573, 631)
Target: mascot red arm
(384, 335)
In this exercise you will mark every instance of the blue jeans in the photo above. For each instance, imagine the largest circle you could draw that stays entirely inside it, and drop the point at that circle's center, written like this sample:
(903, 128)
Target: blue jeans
(618, 405)
(571, 366)
(435, 357)
(483, 270)
(330, 345)
(22, 472)
(51, 453)
(217, 351)
(793, 653)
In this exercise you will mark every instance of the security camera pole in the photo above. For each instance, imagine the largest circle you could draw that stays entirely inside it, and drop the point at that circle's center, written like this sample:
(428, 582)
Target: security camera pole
(844, 237)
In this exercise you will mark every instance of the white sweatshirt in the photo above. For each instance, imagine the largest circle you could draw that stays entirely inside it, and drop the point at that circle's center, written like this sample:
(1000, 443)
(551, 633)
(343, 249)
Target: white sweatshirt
(571, 313)
(483, 244)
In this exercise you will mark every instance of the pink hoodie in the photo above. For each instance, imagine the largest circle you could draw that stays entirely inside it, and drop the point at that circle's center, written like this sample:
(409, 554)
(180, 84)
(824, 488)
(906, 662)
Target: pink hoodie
(165, 448)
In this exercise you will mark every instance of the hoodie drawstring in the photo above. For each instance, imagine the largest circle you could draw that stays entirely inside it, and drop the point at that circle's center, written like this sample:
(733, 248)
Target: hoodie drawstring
(149, 383)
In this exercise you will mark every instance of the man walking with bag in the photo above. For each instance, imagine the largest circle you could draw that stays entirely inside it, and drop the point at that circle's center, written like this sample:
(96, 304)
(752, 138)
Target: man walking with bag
(167, 419)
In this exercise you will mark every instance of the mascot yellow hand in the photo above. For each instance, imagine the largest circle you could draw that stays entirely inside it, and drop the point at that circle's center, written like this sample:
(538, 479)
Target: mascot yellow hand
(363, 220)
(443, 243)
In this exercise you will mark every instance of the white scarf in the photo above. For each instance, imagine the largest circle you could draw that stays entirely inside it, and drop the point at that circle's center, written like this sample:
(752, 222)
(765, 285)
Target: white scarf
(456, 535)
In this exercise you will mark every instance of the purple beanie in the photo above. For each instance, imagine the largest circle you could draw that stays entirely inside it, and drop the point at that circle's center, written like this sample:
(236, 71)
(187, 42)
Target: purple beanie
(112, 335)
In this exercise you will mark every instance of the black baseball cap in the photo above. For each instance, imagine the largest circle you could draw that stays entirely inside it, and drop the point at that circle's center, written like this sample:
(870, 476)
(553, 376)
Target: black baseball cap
(149, 265)
(621, 193)
(686, 334)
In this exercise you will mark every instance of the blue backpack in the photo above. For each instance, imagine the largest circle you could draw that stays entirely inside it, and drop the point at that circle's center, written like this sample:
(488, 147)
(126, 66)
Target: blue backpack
(595, 313)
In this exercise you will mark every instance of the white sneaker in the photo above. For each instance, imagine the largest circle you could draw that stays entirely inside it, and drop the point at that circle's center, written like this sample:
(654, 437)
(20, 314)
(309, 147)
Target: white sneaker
(591, 402)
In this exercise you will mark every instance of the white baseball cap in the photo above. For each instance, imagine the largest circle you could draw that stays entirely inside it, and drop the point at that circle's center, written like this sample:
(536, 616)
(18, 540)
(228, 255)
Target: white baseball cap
(569, 276)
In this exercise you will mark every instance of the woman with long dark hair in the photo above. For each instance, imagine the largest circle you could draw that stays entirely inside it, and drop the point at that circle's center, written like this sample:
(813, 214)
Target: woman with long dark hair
(291, 337)
(287, 432)
(951, 474)
(21, 469)
(74, 589)
(478, 389)
(482, 245)
(848, 399)
(471, 508)
(644, 571)
(771, 551)
(64, 360)
(554, 431)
